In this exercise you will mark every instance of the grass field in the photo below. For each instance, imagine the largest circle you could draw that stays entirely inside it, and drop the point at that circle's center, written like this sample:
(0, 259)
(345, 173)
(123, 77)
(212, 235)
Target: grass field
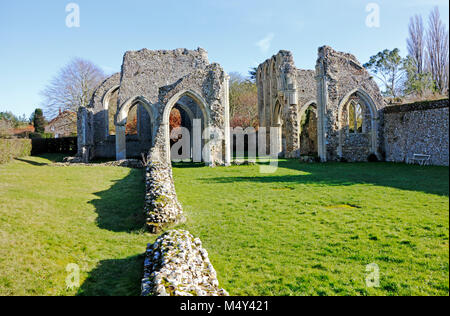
(304, 230)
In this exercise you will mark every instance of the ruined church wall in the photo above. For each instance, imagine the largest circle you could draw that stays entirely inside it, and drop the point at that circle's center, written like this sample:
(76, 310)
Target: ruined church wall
(339, 75)
(97, 106)
(145, 71)
(278, 80)
(419, 128)
(307, 87)
(211, 88)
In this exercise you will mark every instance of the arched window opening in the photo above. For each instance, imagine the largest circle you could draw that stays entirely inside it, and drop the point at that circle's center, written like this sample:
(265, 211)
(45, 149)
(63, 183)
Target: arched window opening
(308, 134)
(359, 118)
(357, 127)
(112, 111)
(355, 118)
(278, 142)
(186, 126)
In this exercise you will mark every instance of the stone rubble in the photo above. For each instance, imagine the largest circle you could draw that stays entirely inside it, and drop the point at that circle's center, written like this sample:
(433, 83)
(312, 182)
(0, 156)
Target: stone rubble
(77, 161)
(177, 265)
(162, 207)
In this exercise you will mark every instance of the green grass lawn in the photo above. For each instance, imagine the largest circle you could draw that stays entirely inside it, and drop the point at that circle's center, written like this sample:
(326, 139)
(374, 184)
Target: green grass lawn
(304, 230)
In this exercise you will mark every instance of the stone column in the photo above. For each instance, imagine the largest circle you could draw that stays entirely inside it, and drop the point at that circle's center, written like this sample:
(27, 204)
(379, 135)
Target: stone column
(121, 142)
(322, 101)
(227, 121)
(292, 120)
(197, 140)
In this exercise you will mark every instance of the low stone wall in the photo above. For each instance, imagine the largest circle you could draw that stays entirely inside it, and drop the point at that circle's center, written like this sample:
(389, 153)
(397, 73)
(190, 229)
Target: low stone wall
(418, 128)
(177, 265)
(161, 203)
(77, 161)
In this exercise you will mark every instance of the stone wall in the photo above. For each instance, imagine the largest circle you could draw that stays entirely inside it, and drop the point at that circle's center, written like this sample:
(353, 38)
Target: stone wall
(177, 265)
(284, 93)
(418, 128)
(155, 82)
(341, 78)
(161, 203)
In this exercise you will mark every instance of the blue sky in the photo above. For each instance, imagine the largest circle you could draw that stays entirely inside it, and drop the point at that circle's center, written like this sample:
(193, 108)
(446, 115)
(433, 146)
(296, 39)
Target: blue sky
(238, 34)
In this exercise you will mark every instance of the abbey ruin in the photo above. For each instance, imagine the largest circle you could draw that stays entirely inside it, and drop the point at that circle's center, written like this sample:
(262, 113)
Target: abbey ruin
(155, 82)
(333, 113)
(337, 113)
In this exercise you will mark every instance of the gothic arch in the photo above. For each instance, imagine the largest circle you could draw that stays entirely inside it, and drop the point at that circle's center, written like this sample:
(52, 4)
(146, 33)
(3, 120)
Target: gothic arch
(105, 102)
(121, 121)
(369, 104)
(201, 103)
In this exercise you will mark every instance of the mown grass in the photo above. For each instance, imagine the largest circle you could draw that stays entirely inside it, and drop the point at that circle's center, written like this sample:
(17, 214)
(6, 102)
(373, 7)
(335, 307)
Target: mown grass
(305, 230)
(313, 229)
(53, 216)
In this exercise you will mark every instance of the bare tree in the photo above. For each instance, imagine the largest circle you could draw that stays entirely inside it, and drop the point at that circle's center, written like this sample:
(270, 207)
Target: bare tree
(72, 87)
(416, 43)
(437, 49)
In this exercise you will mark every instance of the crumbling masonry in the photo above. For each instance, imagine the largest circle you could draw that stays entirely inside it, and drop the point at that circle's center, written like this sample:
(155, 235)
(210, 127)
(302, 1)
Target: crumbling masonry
(333, 113)
(156, 82)
(337, 113)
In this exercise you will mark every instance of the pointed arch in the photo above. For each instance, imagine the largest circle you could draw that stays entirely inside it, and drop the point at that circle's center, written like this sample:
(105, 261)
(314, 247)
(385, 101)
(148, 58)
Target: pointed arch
(369, 104)
(121, 121)
(122, 113)
(105, 104)
(204, 108)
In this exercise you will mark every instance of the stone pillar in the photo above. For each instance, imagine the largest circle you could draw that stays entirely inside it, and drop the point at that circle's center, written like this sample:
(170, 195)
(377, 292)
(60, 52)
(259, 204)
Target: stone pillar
(292, 119)
(227, 121)
(197, 140)
(85, 134)
(322, 101)
(121, 142)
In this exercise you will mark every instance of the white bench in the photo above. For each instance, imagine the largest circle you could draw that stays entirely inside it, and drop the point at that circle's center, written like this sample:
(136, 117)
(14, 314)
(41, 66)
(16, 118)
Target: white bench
(420, 159)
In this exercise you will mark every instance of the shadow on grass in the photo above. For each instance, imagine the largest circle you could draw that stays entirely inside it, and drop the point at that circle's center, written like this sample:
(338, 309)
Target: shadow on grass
(121, 207)
(115, 277)
(429, 179)
(187, 165)
(31, 162)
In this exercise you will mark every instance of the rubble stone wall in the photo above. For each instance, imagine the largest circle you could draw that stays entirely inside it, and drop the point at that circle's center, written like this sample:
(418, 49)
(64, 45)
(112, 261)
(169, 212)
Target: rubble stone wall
(284, 93)
(418, 128)
(177, 265)
(146, 81)
(161, 203)
(340, 77)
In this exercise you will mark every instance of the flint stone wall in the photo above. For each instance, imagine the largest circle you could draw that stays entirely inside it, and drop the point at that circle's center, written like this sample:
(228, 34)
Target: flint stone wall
(418, 128)
(177, 265)
(147, 77)
(162, 207)
(279, 81)
(339, 77)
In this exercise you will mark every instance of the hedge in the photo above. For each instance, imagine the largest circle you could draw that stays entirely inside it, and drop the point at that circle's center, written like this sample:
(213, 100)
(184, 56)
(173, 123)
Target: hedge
(14, 148)
(65, 145)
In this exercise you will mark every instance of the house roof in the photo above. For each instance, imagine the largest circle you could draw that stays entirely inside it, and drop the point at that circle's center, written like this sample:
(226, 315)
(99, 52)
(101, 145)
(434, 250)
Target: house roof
(61, 115)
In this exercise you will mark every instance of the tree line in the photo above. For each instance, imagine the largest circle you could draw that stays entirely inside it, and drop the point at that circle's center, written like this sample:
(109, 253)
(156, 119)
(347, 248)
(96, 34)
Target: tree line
(425, 70)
